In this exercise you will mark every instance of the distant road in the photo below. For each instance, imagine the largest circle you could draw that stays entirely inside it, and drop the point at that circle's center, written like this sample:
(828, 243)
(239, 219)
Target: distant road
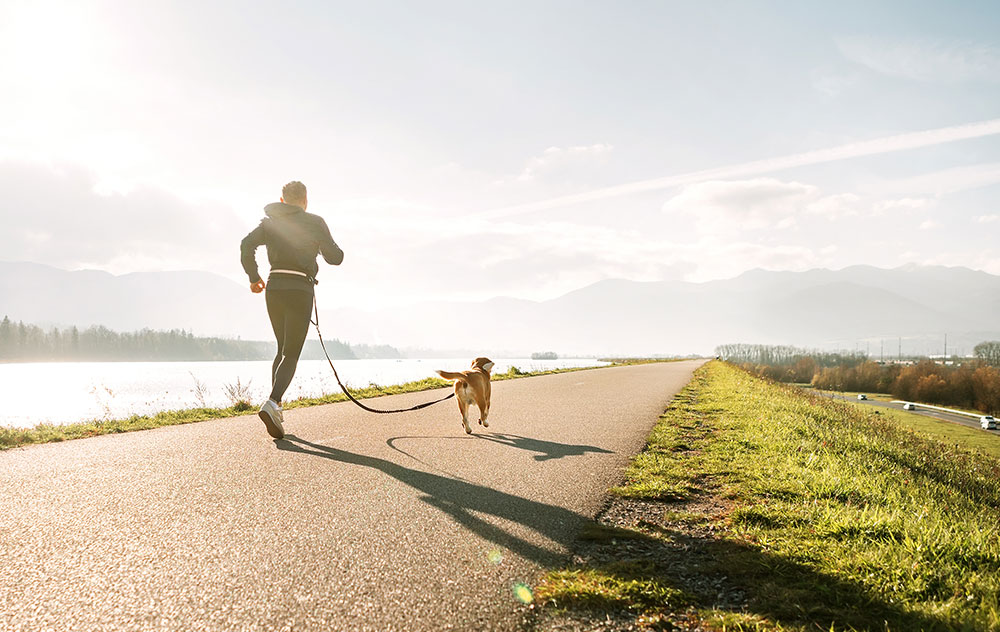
(354, 522)
(920, 410)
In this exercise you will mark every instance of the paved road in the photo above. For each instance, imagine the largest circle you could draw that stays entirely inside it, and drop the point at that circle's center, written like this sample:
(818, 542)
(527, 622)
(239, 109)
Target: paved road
(353, 522)
(964, 420)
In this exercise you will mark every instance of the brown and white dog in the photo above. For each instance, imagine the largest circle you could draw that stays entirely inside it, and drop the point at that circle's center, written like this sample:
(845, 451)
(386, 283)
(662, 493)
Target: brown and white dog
(472, 387)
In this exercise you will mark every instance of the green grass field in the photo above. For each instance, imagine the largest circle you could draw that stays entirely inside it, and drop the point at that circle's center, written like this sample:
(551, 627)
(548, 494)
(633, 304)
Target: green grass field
(820, 514)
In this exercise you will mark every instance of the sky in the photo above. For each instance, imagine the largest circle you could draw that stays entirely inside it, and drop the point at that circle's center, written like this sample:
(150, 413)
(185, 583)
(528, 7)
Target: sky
(466, 150)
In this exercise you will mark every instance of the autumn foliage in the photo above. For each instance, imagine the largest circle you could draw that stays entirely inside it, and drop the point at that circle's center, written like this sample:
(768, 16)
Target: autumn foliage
(973, 384)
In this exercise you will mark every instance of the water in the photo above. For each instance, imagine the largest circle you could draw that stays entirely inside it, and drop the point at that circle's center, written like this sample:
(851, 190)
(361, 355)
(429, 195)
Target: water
(68, 392)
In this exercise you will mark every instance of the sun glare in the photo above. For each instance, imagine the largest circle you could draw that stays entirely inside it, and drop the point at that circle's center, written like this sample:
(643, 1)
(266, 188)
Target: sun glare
(57, 58)
(49, 50)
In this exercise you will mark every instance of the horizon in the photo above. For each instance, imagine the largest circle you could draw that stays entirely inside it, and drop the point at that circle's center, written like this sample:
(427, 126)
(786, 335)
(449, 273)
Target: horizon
(901, 267)
(645, 142)
(850, 308)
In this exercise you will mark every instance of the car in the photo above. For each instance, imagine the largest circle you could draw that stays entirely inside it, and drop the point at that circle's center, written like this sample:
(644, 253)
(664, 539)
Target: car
(909, 406)
(987, 422)
(862, 397)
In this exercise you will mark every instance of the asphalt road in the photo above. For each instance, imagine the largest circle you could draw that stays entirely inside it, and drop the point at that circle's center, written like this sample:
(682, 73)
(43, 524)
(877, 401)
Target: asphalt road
(964, 420)
(353, 522)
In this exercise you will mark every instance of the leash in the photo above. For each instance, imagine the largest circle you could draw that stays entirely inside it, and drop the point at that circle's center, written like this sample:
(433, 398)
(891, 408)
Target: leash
(344, 388)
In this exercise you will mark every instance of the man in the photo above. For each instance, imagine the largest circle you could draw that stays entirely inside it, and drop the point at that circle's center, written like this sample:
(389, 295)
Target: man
(293, 239)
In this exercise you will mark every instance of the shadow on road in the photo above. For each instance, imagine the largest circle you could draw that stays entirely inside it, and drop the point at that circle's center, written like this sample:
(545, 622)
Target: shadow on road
(546, 449)
(462, 500)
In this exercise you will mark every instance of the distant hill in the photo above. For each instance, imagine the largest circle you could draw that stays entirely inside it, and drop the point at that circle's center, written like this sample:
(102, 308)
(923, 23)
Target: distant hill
(203, 303)
(857, 307)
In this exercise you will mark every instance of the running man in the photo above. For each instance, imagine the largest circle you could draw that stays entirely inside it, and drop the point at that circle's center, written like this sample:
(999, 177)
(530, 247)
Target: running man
(293, 239)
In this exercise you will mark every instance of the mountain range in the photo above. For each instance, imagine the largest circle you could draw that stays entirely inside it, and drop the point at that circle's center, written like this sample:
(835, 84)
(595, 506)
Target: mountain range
(909, 309)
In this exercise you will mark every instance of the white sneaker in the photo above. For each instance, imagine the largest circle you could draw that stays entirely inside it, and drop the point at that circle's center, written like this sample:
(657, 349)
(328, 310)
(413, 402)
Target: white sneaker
(270, 414)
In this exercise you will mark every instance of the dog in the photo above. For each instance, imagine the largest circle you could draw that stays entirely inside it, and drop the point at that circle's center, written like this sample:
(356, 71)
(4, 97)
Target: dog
(472, 387)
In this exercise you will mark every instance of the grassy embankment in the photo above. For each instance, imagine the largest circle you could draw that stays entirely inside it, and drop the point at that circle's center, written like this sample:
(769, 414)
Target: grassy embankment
(816, 514)
(947, 431)
(47, 433)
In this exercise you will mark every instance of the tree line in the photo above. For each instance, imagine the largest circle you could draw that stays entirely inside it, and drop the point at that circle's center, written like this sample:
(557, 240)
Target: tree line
(968, 383)
(20, 342)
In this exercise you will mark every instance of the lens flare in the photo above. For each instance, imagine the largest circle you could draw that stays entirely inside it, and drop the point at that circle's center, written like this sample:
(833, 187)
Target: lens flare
(495, 556)
(523, 593)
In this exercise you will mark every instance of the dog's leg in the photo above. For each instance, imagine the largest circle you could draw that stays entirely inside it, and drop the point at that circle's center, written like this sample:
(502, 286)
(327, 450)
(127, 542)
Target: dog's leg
(484, 409)
(463, 406)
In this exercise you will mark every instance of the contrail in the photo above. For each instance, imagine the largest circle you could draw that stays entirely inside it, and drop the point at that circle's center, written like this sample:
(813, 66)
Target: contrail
(888, 144)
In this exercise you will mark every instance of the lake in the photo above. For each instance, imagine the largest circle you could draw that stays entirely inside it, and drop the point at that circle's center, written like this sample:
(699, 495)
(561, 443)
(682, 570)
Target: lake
(67, 392)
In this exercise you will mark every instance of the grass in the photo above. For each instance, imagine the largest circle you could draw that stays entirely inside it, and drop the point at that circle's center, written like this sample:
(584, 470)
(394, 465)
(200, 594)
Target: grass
(48, 433)
(827, 515)
(946, 431)
(940, 429)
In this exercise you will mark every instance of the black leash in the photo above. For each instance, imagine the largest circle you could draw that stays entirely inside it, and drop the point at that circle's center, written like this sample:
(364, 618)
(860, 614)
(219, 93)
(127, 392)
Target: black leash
(344, 388)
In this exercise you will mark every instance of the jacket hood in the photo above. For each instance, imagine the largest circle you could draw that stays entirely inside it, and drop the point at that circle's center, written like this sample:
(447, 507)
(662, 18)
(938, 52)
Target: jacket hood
(280, 209)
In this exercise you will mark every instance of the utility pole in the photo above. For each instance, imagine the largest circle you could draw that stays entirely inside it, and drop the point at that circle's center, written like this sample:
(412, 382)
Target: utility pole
(946, 346)
(881, 350)
(899, 355)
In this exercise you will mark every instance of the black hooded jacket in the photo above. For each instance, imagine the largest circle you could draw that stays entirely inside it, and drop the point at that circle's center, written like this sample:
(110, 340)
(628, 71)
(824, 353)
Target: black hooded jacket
(293, 239)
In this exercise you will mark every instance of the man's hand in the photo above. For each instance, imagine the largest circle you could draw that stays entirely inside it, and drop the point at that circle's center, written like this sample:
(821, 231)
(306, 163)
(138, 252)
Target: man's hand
(257, 287)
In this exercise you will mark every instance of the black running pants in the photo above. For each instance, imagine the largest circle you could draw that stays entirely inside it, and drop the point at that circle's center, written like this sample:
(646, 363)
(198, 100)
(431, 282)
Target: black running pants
(289, 311)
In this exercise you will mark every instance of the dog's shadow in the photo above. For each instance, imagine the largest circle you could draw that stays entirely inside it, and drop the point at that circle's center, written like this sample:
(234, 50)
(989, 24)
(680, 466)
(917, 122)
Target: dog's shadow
(546, 449)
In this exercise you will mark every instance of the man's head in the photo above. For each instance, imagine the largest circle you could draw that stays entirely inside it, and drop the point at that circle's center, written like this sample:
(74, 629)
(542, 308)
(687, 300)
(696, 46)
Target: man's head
(294, 193)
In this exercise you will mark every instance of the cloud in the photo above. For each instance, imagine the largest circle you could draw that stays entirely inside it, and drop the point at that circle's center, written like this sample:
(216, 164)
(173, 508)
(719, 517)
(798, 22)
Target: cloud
(947, 181)
(924, 60)
(986, 219)
(55, 216)
(929, 224)
(549, 258)
(537, 261)
(887, 144)
(834, 207)
(556, 162)
(732, 206)
(902, 204)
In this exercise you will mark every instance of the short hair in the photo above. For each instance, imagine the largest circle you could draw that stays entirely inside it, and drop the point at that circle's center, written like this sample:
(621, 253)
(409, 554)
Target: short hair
(294, 192)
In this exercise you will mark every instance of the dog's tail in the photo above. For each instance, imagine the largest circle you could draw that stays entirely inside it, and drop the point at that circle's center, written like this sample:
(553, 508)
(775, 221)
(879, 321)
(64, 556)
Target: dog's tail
(448, 375)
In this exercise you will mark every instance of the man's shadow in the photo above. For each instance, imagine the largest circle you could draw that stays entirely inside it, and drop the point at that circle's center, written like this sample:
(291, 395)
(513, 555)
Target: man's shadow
(808, 593)
(462, 500)
(766, 584)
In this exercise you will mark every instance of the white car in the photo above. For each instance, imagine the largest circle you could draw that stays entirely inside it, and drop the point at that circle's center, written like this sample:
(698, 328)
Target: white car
(862, 397)
(909, 406)
(987, 422)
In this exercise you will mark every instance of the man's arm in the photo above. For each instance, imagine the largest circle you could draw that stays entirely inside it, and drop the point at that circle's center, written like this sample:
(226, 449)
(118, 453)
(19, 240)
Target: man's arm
(328, 247)
(248, 251)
